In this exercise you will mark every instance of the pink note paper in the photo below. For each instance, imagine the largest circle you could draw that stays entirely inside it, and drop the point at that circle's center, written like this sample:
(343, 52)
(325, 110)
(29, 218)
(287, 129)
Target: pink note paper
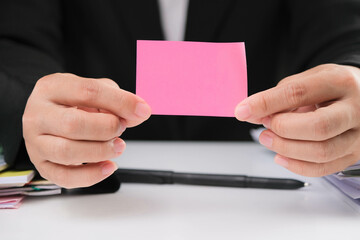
(191, 78)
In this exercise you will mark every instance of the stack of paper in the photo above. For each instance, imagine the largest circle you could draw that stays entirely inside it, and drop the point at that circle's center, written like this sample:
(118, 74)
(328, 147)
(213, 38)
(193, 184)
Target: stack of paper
(348, 182)
(10, 202)
(15, 178)
(15, 184)
(34, 188)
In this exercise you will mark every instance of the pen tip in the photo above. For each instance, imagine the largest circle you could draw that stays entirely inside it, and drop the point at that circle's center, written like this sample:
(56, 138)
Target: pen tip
(306, 184)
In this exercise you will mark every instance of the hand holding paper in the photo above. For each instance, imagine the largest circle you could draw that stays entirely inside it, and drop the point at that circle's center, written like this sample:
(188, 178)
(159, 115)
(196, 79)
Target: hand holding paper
(191, 78)
(71, 120)
(312, 119)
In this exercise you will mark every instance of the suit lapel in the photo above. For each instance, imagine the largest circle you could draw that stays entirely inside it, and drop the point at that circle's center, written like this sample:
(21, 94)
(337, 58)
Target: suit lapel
(206, 18)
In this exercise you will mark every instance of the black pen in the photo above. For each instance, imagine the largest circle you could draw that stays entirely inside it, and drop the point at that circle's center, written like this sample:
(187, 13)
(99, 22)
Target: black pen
(219, 180)
(351, 173)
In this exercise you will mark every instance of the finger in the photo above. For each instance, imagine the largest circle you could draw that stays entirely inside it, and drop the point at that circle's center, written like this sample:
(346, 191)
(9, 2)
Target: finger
(303, 74)
(109, 82)
(315, 169)
(69, 152)
(88, 109)
(305, 109)
(77, 124)
(93, 110)
(72, 90)
(305, 90)
(310, 151)
(76, 176)
(321, 124)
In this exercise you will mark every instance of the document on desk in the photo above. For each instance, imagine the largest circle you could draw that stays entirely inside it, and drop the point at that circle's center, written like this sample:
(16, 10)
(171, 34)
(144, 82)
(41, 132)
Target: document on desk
(14, 185)
(191, 78)
(349, 185)
(12, 202)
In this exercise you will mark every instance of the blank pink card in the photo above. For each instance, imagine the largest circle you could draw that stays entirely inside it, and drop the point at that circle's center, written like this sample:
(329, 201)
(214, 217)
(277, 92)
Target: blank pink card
(191, 78)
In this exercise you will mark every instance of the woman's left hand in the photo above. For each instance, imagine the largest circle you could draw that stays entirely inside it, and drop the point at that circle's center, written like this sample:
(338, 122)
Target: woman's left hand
(312, 119)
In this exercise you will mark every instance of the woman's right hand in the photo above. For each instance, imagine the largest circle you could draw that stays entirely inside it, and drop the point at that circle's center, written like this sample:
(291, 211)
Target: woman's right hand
(70, 120)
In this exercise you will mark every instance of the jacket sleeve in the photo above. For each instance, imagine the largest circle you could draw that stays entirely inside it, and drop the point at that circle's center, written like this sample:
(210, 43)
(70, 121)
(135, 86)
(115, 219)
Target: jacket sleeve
(30, 47)
(324, 31)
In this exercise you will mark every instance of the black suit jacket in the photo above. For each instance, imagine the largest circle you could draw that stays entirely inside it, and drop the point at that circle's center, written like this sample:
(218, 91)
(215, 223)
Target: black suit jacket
(97, 38)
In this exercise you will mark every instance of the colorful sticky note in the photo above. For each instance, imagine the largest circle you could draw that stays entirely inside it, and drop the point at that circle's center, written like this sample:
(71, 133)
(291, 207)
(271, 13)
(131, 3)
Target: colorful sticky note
(191, 78)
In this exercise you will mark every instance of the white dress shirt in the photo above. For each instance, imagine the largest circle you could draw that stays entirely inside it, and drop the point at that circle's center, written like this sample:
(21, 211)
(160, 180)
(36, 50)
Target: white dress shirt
(173, 15)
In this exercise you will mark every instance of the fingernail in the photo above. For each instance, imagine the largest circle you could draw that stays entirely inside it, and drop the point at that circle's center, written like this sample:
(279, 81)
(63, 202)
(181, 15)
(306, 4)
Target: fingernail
(266, 122)
(266, 139)
(142, 110)
(242, 112)
(281, 161)
(119, 145)
(108, 168)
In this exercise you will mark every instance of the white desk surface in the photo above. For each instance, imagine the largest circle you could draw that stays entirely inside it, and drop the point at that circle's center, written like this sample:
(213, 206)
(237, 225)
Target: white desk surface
(140, 211)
